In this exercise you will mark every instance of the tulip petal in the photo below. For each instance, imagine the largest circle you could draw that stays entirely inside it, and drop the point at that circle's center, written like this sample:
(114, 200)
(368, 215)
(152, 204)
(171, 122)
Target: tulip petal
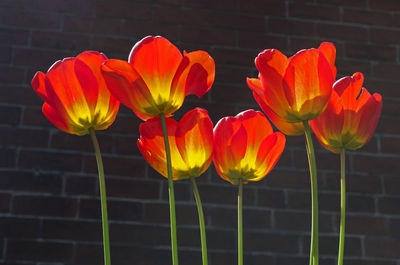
(38, 84)
(58, 120)
(308, 84)
(329, 51)
(287, 128)
(156, 60)
(269, 152)
(126, 85)
(194, 140)
(195, 74)
(272, 64)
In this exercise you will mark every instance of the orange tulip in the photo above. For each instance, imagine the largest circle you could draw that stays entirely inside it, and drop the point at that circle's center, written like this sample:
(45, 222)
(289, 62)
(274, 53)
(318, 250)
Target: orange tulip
(294, 89)
(245, 147)
(75, 94)
(191, 144)
(157, 78)
(351, 117)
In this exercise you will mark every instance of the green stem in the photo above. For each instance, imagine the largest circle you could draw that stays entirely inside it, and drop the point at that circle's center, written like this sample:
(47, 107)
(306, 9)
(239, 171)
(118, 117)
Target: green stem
(240, 223)
(201, 221)
(314, 195)
(342, 204)
(102, 184)
(174, 242)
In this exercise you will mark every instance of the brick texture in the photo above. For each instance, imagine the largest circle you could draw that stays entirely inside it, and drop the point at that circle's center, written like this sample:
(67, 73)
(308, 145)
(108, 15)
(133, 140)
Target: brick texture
(49, 198)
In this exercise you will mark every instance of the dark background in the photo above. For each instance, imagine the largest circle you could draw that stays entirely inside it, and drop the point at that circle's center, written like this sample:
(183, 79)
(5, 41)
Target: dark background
(49, 206)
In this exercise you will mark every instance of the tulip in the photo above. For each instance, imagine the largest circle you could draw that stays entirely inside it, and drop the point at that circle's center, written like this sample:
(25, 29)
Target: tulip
(348, 123)
(351, 117)
(191, 144)
(77, 101)
(75, 94)
(294, 89)
(157, 78)
(245, 149)
(190, 148)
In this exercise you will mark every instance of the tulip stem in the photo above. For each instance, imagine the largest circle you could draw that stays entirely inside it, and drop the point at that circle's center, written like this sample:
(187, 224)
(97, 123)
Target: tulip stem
(342, 204)
(240, 223)
(314, 195)
(174, 242)
(103, 197)
(201, 221)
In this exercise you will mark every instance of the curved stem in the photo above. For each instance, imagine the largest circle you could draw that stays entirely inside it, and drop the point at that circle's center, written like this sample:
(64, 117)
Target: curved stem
(314, 195)
(174, 242)
(103, 197)
(342, 204)
(240, 223)
(201, 221)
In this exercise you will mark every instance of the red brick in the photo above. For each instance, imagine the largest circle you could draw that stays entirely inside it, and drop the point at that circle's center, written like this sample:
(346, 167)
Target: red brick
(387, 71)
(125, 124)
(312, 11)
(12, 75)
(118, 166)
(388, 125)
(23, 137)
(40, 60)
(390, 110)
(29, 19)
(269, 7)
(387, 36)
(386, 88)
(133, 189)
(225, 194)
(158, 213)
(370, 52)
(354, 183)
(146, 235)
(342, 32)
(365, 225)
(60, 41)
(208, 36)
(232, 75)
(388, 5)
(85, 7)
(291, 27)
(277, 243)
(111, 44)
(45, 206)
(81, 185)
(40, 251)
(64, 141)
(270, 198)
(231, 56)
(224, 5)
(17, 227)
(72, 230)
(91, 25)
(16, 3)
(141, 29)
(288, 179)
(45, 160)
(10, 115)
(355, 3)
(29, 181)
(389, 205)
(260, 42)
(14, 36)
(237, 94)
(5, 54)
(7, 158)
(349, 67)
(183, 189)
(126, 145)
(382, 247)
(295, 221)
(328, 246)
(5, 200)
(367, 17)
(360, 203)
(33, 116)
(124, 9)
(391, 184)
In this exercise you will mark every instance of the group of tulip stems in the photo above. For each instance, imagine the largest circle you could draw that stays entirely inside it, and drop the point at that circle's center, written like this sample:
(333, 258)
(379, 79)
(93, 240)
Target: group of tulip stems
(314, 256)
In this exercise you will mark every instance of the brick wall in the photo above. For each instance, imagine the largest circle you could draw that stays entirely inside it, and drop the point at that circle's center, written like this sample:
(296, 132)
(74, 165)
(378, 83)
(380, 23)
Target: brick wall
(49, 206)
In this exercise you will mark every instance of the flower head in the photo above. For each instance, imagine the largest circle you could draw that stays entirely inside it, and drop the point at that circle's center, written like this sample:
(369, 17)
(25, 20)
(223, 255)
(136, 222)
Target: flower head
(245, 147)
(75, 95)
(157, 78)
(351, 117)
(190, 140)
(294, 89)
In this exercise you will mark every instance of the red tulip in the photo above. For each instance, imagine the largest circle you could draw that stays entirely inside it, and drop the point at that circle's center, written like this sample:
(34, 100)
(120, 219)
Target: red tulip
(157, 78)
(351, 117)
(75, 94)
(294, 89)
(191, 144)
(245, 147)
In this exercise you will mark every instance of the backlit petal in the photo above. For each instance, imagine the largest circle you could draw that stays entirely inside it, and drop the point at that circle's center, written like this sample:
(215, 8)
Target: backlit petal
(329, 51)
